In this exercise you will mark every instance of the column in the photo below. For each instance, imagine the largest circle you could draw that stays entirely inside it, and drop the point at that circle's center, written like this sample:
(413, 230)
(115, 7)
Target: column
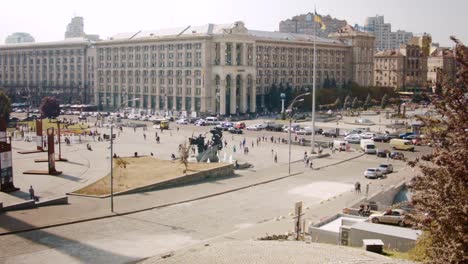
(253, 97)
(233, 95)
(233, 54)
(243, 94)
(222, 53)
(192, 106)
(222, 97)
(244, 54)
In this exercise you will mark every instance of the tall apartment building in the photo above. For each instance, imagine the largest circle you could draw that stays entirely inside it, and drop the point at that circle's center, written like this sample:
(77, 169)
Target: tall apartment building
(440, 64)
(384, 37)
(404, 68)
(19, 37)
(225, 69)
(75, 29)
(34, 70)
(304, 24)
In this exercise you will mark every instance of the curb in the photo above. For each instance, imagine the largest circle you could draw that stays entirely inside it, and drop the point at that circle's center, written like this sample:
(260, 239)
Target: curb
(164, 205)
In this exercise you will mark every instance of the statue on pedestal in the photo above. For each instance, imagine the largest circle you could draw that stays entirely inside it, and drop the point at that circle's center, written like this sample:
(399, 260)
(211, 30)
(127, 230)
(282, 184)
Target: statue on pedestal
(209, 150)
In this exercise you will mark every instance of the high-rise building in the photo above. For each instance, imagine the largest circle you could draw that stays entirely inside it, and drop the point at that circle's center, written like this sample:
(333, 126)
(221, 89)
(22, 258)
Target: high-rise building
(75, 29)
(19, 37)
(211, 69)
(403, 68)
(424, 41)
(384, 37)
(304, 24)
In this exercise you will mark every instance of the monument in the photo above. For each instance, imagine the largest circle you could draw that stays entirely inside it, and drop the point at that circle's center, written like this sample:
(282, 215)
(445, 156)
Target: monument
(6, 160)
(209, 150)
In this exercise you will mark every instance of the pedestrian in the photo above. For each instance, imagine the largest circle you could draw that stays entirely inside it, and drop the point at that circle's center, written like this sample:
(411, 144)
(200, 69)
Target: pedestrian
(357, 187)
(307, 162)
(31, 193)
(311, 164)
(177, 129)
(276, 157)
(234, 148)
(272, 152)
(252, 144)
(144, 136)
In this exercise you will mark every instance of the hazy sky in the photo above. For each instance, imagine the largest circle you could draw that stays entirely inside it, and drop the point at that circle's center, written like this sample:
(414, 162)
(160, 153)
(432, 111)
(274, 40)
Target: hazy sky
(46, 20)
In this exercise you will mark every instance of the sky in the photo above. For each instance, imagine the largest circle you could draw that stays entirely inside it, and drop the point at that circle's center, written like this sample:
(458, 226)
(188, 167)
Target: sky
(46, 20)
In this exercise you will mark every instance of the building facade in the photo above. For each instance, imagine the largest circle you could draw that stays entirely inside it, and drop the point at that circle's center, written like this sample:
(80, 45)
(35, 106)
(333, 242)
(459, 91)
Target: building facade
(440, 64)
(304, 24)
(404, 68)
(384, 37)
(19, 37)
(34, 70)
(212, 69)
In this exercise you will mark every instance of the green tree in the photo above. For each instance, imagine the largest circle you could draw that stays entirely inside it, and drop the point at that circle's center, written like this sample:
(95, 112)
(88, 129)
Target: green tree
(355, 103)
(5, 106)
(367, 103)
(50, 107)
(384, 101)
(440, 188)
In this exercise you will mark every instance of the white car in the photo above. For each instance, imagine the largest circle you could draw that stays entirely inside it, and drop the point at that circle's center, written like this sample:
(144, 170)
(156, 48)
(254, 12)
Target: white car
(353, 132)
(253, 127)
(353, 138)
(373, 173)
(386, 168)
(201, 122)
(367, 135)
(182, 121)
(304, 131)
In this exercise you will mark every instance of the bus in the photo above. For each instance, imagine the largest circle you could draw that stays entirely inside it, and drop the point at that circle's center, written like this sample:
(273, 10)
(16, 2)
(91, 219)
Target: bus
(161, 124)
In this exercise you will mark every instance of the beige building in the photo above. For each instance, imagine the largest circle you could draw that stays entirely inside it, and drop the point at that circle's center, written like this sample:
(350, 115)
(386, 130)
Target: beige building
(210, 69)
(441, 63)
(404, 68)
(34, 70)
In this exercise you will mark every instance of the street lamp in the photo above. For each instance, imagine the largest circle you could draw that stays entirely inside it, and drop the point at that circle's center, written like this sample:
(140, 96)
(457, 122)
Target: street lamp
(290, 109)
(283, 97)
(112, 155)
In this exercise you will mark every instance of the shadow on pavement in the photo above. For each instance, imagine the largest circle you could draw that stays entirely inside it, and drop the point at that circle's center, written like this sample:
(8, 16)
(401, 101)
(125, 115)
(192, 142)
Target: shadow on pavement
(76, 249)
(68, 177)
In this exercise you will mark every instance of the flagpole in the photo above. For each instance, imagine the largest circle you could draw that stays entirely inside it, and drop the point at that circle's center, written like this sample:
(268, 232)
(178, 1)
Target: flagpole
(313, 88)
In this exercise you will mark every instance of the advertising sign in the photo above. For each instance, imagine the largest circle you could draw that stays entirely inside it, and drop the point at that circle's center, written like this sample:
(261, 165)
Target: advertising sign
(51, 150)
(39, 139)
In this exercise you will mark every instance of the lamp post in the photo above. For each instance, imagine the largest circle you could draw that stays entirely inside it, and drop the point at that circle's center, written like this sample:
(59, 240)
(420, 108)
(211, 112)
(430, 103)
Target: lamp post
(283, 97)
(112, 155)
(290, 108)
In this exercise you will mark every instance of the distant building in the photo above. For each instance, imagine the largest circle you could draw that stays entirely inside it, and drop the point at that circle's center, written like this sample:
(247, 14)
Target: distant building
(441, 63)
(304, 24)
(404, 68)
(19, 37)
(384, 37)
(75, 29)
(424, 42)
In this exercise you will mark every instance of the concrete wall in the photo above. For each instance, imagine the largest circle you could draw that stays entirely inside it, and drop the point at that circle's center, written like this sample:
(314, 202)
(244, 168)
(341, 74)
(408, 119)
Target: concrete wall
(384, 198)
(391, 242)
(226, 170)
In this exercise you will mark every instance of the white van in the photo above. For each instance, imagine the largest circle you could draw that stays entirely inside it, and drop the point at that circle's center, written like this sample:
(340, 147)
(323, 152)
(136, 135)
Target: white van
(339, 145)
(368, 146)
(211, 120)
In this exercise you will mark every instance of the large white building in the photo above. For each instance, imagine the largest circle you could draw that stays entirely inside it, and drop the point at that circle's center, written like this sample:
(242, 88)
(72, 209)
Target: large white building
(224, 69)
(384, 37)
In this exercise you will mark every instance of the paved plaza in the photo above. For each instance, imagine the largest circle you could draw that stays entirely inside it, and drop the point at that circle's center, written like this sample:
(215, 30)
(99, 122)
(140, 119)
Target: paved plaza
(242, 207)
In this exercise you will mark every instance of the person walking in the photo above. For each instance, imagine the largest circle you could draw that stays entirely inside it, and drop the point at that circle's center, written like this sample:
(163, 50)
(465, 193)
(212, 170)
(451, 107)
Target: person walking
(307, 162)
(276, 157)
(31, 193)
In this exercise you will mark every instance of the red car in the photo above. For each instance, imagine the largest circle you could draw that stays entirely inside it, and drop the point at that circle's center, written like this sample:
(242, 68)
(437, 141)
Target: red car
(239, 125)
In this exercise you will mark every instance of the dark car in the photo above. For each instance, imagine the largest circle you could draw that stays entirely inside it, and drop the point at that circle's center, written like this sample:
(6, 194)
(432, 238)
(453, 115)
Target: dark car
(274, 127)
(405, 135)
(234, 130)
(382, 153)
(330, 133)
(382, 138)
(318, 131)
(397, 156)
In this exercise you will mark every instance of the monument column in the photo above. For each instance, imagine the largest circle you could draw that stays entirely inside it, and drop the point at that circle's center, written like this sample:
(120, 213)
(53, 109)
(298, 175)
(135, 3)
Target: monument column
(233, 95)
(222, 97)
(253, 97)
(243, 94)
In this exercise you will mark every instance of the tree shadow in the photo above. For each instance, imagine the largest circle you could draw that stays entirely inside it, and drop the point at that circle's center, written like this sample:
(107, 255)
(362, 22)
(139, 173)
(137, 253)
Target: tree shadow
(76, 249)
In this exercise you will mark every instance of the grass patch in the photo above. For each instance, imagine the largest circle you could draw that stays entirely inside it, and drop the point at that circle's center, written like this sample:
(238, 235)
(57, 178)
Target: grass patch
(52, 123)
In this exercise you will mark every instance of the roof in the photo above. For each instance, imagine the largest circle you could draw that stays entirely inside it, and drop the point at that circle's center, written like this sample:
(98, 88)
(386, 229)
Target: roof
(219, 29)
(69, 41)
(388, 230)
(442, 52)
(389, 53)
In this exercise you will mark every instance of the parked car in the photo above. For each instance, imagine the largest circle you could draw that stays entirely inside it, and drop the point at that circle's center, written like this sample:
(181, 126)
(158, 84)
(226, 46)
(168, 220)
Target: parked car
(352, 132)
(353, 138)
(383, 153)
(304, 131)
(404, 135)
(373, 173)
(274, 127)
(367, 135)
(234, 130)
(255, 127)
(397, 156)
(330, 133)
(386, 168)
(82, 117)
(201, 122)
(240, 125)
(182, 121)
(394, 217)
(382, 138)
